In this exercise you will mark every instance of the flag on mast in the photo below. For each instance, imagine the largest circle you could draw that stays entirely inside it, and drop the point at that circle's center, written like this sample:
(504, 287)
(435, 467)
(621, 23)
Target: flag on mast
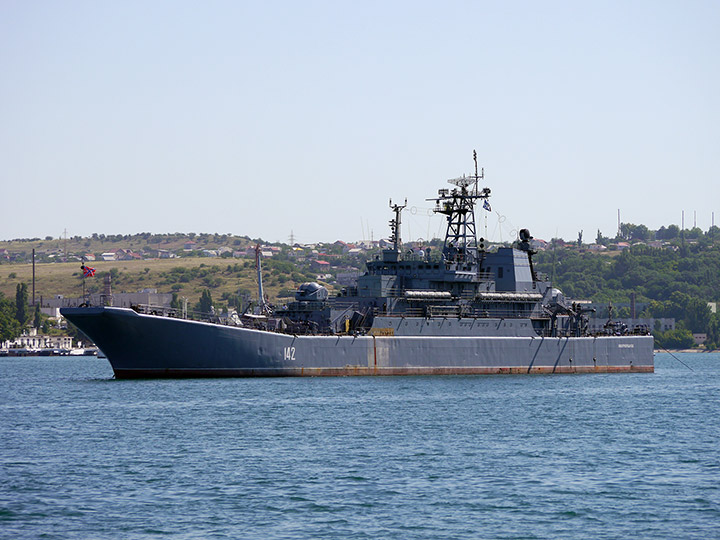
(88, 271)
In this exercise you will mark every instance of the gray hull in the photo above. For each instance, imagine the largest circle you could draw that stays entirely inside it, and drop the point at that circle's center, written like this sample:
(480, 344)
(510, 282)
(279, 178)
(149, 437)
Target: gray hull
(140, 346)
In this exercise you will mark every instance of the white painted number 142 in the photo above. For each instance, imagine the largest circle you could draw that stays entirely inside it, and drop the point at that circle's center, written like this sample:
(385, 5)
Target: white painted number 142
(289, 353)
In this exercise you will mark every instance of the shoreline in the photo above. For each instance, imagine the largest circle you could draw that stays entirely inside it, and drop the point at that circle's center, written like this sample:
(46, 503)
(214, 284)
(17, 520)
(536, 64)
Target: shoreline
(24, 351)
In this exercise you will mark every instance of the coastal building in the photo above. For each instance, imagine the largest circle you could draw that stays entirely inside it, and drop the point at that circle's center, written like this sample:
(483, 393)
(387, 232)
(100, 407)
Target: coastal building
(320, 265)
(52, 312)
(31, 340)
(539, 244)
(127, 255)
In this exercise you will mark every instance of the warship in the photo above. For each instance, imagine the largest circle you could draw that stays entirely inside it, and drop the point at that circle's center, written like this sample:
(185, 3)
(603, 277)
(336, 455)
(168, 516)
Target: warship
(468, 309)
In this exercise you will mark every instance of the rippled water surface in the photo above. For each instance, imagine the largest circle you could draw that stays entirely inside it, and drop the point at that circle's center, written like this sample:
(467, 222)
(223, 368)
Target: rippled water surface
(546, 456)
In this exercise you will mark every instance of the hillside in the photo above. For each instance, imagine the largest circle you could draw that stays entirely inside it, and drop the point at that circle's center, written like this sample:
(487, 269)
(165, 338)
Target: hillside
(675, 276)
(145, 245)
(175, 263)
(187, 277)
(675, 281)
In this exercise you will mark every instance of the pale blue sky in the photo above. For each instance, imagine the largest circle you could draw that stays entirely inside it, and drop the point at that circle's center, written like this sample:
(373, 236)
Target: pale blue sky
(258, 118)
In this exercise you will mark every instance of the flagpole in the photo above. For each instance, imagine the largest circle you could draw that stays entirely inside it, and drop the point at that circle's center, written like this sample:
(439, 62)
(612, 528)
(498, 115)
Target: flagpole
(82, 268)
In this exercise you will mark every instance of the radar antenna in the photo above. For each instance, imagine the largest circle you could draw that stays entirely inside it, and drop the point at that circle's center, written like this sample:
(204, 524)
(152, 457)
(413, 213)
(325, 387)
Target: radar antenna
(458, 205)
(465, 182)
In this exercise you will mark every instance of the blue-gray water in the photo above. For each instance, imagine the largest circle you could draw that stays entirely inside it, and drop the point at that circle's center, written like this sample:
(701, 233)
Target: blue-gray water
(567, 456)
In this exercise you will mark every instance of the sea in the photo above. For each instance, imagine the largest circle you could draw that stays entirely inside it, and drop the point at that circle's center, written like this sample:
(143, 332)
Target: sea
(85, 456)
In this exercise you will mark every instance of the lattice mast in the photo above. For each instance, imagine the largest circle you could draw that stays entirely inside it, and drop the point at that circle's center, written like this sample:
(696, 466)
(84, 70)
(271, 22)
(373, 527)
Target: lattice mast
(458, 205)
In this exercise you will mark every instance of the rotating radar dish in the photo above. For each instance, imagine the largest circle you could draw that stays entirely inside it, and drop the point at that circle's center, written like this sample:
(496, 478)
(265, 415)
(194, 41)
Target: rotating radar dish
(463, 182)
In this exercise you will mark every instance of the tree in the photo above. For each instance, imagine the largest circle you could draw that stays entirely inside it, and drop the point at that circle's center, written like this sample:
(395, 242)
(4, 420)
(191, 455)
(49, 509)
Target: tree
(626, 230)
(9, 327)
(640, 232)
(37, 318)
(680, 338)
(630, 231)
(693, 311)
(713, 333)
(673, 231)
(206, 301)
(602, 240)
(21, 304)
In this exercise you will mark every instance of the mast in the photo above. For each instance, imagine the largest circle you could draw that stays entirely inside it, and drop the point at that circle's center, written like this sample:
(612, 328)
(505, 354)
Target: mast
(264, 309)
(395, 225)
(458, 205)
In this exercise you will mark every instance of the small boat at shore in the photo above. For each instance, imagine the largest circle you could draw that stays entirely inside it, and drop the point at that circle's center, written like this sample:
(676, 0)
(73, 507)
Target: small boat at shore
(47, 351)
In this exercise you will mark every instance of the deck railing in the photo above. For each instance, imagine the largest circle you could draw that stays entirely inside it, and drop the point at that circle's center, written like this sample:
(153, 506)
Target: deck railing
(449, 312)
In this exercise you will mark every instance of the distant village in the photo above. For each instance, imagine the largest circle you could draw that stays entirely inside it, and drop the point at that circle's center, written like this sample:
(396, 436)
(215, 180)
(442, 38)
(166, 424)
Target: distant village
(19, 252)
(316, 252)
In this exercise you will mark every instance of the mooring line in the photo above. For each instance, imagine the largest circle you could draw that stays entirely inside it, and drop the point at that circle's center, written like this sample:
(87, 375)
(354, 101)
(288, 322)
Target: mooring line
(676, 358)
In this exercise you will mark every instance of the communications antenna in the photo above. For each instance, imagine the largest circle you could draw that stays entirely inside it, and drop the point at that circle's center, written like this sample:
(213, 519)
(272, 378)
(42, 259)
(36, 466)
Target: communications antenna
(458, 205)
(395, 224)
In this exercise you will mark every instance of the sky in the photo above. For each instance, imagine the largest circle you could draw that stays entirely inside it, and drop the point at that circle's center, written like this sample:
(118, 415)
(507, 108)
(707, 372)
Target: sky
(271, 119)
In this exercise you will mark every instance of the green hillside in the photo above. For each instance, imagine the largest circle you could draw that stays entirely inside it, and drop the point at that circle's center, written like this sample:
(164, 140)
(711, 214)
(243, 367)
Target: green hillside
(676, 280)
